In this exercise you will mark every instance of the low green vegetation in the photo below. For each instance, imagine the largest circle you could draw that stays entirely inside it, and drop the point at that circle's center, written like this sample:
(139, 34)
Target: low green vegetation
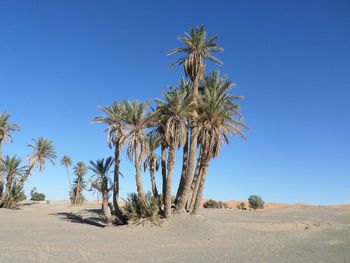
(255, 202)
(36, 196)
(215, 204)
(242, 206)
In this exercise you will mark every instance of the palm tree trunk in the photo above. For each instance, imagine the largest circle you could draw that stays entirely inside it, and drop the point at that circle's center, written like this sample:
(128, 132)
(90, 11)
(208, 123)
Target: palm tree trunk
(171, 162)
(1, 174)
(25, 176)
(163, 161)
(193, 151)
(105, 206)
(117, 211)
(199, 196)
(139, 184)
(77, 192)
(195, 184)
(153, 178)
(184, 170)
(69, 180)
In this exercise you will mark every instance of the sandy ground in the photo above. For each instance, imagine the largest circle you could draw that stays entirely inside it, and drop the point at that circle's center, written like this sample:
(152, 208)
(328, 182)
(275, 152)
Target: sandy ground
(57, 232)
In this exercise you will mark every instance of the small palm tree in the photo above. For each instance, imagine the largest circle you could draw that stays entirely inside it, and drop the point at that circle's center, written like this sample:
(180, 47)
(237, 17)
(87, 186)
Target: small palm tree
(66, 161)
(43, 150)
(175, 111)
(137, 120)
(219, 117)
(6, 129)
(116, 138)
(12, 169)
(152, 160)
(80, 170)
(197, 49)
(99, 181)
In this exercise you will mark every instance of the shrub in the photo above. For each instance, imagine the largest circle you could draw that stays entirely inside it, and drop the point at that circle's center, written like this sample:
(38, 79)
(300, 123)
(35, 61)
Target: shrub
(255, 202)
(214, 204)
(17, 195)
(241, 206)
(35, 196)
(137, 213)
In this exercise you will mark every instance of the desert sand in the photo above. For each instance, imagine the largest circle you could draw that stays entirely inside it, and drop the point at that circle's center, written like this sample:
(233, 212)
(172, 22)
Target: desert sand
(57, 232)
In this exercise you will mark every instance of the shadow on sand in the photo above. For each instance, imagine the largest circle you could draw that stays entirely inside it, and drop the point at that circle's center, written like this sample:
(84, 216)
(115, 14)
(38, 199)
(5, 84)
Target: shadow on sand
(74, 218)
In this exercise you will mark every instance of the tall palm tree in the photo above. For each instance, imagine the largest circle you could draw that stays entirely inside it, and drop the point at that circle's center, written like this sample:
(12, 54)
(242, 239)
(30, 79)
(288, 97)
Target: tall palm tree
(197, 49)
(43, 151)
(137, 120)
(152, 160)
(116, 138)
(99, 181)
(12, 169)
(6, 128)
(174, 111)
(66, 161)
(80, 170)
(219, 117)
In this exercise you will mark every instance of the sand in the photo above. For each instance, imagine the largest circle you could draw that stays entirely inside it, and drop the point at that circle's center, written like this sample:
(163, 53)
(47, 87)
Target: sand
(57, 232)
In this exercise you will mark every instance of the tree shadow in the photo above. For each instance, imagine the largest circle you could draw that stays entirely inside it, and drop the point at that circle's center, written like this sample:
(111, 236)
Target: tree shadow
(74, 218)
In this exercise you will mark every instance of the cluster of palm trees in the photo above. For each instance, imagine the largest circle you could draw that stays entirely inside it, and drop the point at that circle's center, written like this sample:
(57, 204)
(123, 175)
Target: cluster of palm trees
(197, 116)
(13, 174)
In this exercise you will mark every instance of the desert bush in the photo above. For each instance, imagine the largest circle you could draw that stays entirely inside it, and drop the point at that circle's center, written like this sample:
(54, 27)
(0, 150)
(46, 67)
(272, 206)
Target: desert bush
(138, 213)
(214, 204)
(35, 196)
(16, 195)
(255, 202)
(241, 206)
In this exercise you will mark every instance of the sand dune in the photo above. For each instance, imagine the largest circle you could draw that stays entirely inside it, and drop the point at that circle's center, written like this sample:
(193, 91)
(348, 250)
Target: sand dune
(57, 232)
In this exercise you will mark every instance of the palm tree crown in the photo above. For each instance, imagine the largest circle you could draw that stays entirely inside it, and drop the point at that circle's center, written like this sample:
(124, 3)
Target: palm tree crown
(43, 150)
(6, 128)
(66, 161)
(219, 115)
(100, 168)
(10, 166)
(197, 49)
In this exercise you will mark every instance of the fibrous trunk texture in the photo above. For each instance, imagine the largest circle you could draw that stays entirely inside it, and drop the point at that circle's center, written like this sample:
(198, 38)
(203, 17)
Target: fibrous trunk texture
(117, 211)
(184, 170)
(193, 151)
(171, 162)
(200, 190)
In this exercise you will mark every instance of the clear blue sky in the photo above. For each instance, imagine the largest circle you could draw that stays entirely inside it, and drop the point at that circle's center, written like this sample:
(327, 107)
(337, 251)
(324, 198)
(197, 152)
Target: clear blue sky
(60, 60)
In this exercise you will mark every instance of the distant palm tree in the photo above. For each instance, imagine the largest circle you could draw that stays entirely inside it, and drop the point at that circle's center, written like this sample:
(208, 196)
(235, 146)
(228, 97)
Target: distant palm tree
(175, 111)
(152, 160)
(12, 169)
(197, 49)
(116, 138)
(66, 161)
(219, 116)
(99, 181)
(43, 150)
(80, 170)
(137, 120)
(6, 129)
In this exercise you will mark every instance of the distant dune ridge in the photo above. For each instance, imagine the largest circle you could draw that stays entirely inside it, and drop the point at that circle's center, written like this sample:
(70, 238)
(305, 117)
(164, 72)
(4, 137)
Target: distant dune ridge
(234, 203)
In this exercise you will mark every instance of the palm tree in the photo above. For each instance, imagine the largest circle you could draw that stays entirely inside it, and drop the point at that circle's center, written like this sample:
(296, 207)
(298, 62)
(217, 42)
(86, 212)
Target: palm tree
(99, 181)
(174, 111)
(43, 150)
(137, 120)
(115, 137)
(197, 49)
(6, 129)
(12, 169)
(66, 161)
(152, 160)
(80, 170)
(219, 116)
